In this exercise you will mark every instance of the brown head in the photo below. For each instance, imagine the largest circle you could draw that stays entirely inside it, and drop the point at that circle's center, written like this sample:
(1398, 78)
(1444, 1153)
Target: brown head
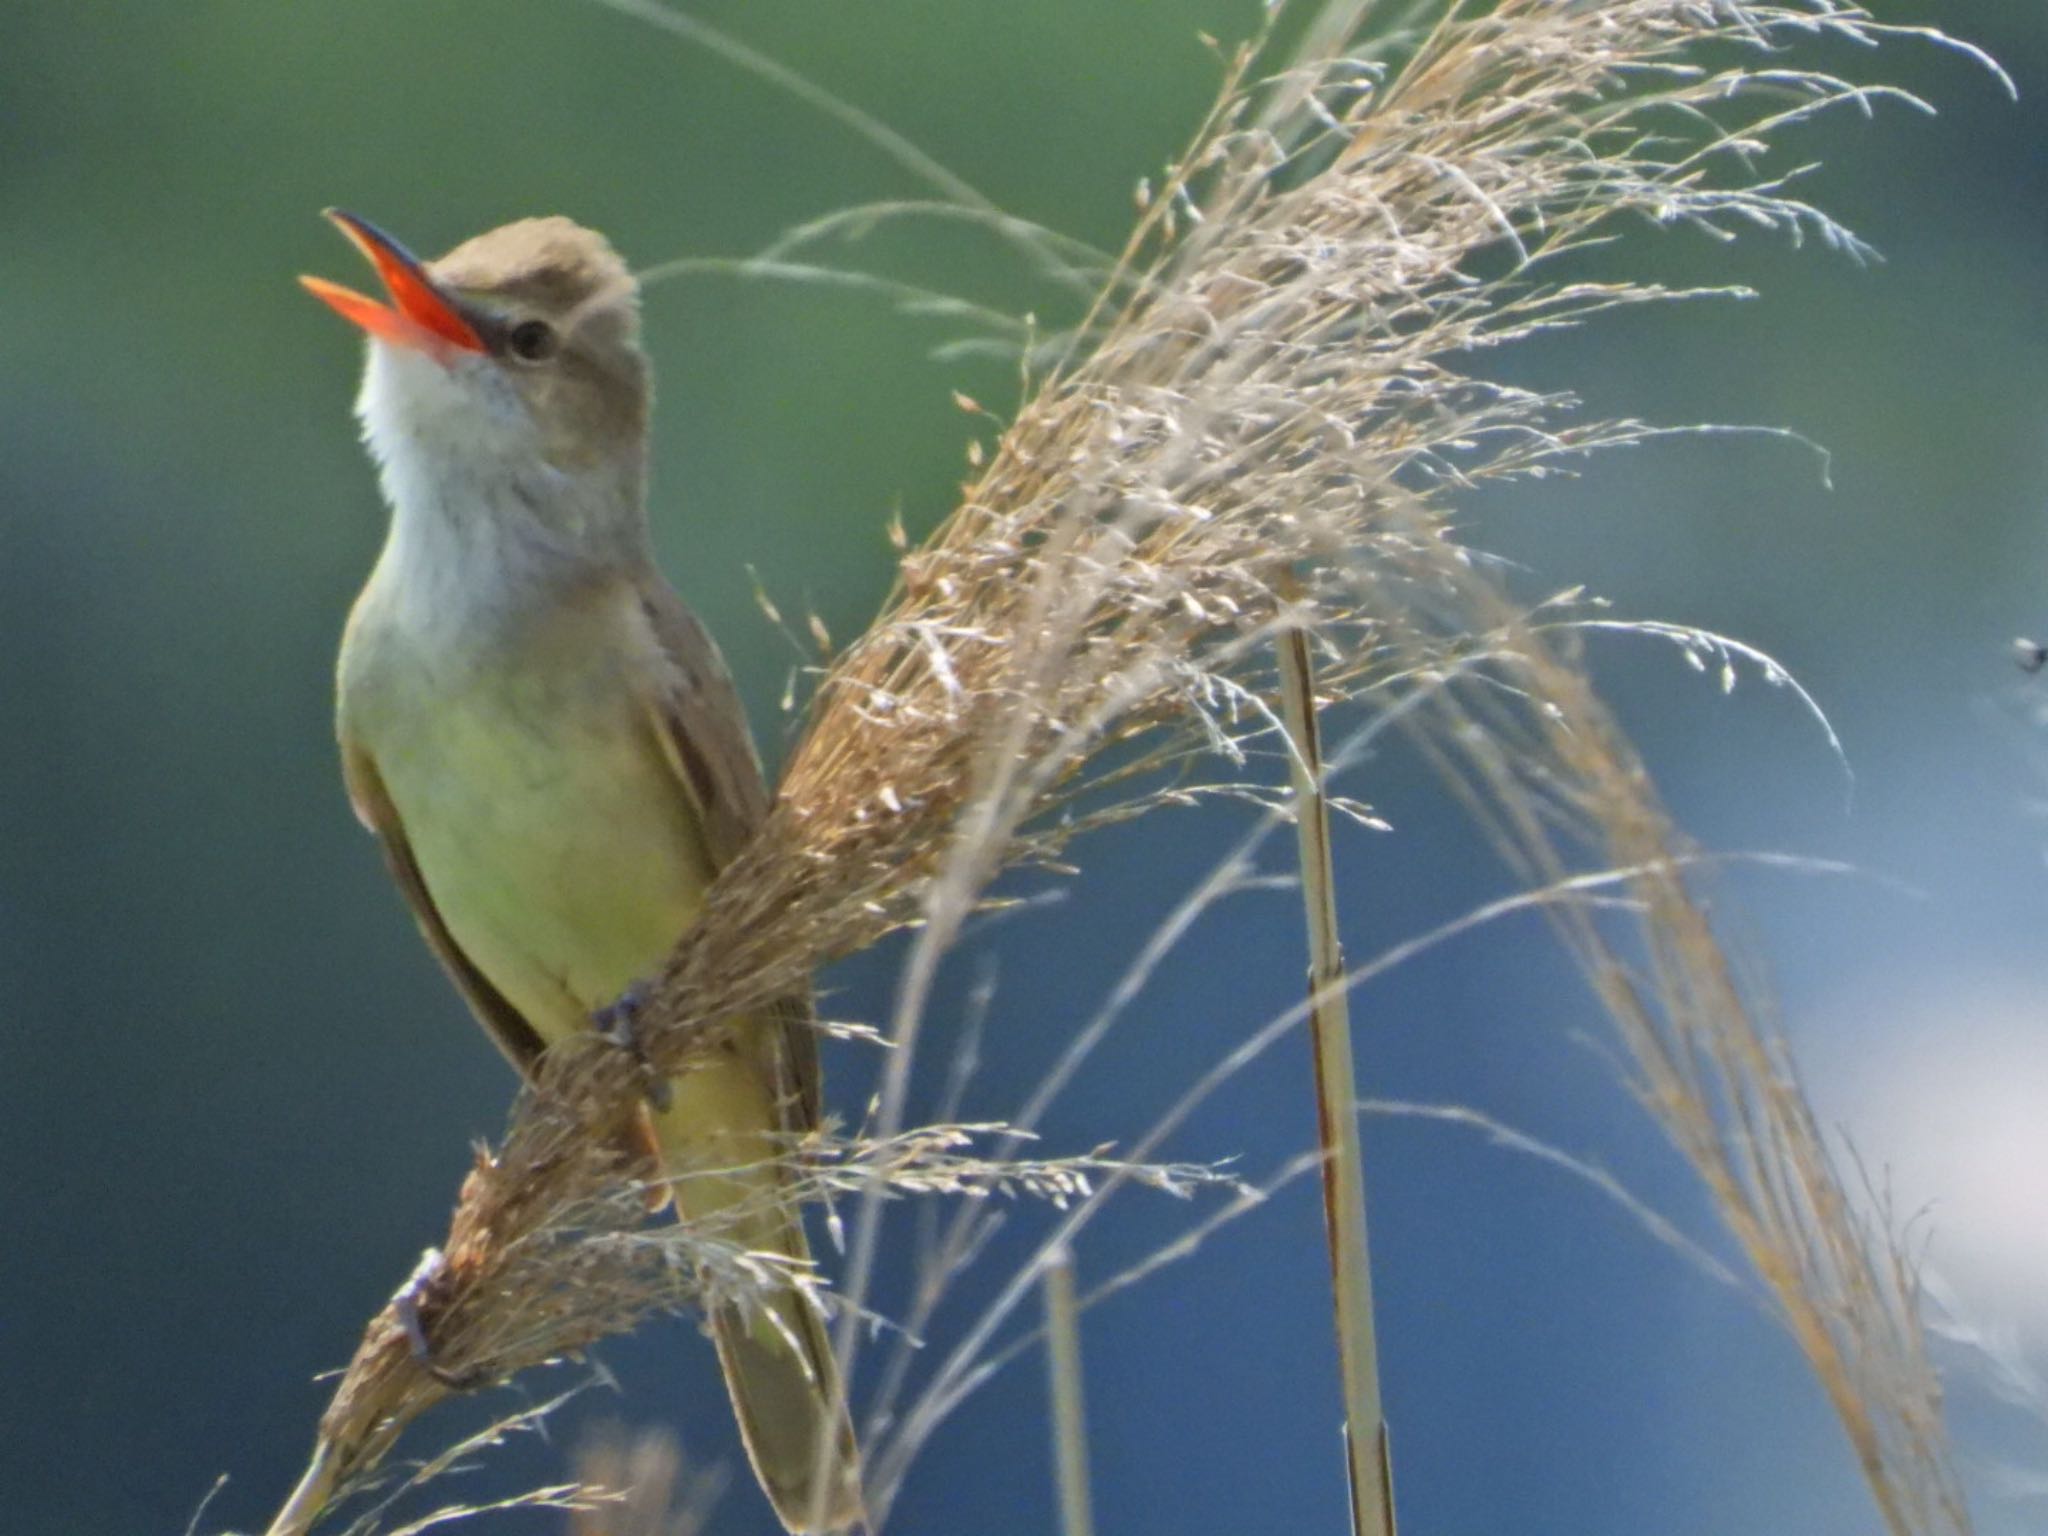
(518, 349)
(553, 302)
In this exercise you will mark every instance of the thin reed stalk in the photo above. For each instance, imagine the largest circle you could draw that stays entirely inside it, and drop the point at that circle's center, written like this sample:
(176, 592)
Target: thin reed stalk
(1063, 1380)
(1368, 1453)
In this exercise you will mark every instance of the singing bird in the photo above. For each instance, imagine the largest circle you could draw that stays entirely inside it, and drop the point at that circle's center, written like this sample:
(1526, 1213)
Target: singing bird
(550, 748)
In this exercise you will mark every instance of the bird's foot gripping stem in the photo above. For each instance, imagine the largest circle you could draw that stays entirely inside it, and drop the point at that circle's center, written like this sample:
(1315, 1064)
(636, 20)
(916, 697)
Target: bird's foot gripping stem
(405, 1306)
(621, 1021)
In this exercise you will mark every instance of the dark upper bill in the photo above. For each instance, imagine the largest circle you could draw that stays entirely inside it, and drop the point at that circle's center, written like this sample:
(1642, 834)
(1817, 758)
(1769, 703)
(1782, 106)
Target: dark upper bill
(419, 314)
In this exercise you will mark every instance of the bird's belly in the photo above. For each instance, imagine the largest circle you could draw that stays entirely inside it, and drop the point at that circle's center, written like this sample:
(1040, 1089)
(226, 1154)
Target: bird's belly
(555, 842)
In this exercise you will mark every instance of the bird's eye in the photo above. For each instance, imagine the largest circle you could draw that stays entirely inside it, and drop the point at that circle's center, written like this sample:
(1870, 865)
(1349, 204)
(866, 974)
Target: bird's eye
(532, 340)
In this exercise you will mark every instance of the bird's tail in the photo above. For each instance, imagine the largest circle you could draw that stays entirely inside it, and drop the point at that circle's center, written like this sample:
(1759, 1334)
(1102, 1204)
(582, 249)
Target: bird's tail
(776, 1351)
(785, 1389)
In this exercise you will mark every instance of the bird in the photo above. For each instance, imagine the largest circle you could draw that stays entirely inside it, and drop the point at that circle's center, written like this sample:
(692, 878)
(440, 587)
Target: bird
(553, 755)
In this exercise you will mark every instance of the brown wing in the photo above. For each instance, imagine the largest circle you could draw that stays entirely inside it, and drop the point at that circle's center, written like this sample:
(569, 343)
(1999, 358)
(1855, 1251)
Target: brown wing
(506, 1026)
(704, 728)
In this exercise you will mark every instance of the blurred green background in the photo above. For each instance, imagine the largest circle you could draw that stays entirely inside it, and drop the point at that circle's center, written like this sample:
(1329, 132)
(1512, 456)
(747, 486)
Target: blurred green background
(237, 1097)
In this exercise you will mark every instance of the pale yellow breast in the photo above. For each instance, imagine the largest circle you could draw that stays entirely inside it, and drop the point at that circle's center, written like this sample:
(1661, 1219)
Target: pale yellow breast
(549, 828)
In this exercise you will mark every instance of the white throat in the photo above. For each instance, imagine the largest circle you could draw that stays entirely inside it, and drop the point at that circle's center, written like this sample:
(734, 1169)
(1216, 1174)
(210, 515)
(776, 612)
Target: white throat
(482, 525)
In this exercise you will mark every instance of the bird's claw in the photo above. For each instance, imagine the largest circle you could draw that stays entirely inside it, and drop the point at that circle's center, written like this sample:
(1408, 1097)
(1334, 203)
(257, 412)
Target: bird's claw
(406, 1306)
(619, 1021)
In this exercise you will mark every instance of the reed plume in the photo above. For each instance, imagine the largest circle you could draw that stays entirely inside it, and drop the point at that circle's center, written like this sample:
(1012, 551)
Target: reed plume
(1260, 424)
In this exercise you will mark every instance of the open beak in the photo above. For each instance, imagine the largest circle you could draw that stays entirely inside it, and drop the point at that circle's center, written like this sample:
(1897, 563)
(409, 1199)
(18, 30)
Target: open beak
(419, 314)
